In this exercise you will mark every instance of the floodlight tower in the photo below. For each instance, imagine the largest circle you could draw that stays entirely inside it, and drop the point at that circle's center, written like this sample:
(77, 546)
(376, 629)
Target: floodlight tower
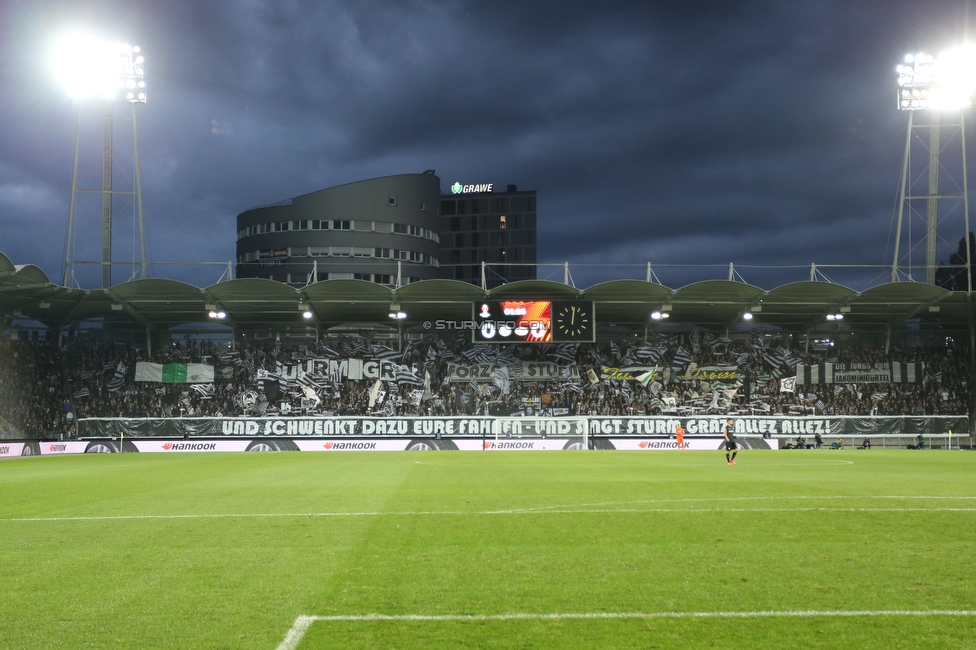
(935, 86)
(108, 74)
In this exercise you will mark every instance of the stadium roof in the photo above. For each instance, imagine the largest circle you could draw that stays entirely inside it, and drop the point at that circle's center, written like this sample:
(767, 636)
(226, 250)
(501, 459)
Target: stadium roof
(258, 303)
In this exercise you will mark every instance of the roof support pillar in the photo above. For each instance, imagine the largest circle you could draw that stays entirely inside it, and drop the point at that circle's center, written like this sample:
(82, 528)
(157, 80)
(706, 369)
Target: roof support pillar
(972, 344)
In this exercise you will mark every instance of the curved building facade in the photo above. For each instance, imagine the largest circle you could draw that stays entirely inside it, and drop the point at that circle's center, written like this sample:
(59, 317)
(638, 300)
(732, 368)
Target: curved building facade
(377, 230)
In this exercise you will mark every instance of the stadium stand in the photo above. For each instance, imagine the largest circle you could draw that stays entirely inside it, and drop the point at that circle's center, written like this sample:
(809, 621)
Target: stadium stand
(45, 389)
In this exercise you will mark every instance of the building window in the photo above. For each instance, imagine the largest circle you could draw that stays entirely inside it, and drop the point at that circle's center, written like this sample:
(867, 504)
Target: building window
(391, 200)
(448, 208)
(401, 228)
(501, 222)
(474, 240)
(341, 225)
(282, 226)
(423, 206)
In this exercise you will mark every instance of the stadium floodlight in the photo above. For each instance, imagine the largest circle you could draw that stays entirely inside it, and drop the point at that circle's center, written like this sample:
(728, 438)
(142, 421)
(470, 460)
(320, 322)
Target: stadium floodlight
(946, 82)
(108, 73)
(93, 69)
(935, 84)
(659, 315)
(747, 315)
(396, 313)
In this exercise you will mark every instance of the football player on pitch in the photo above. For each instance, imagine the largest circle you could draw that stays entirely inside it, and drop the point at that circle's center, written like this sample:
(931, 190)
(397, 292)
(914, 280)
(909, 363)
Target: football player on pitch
(729, 434)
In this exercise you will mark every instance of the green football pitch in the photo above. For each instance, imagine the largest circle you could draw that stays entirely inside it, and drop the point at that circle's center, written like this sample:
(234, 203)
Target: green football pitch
(603, 549)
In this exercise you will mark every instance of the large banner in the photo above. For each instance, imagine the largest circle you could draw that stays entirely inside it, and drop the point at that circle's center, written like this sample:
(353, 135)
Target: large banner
(174, 373)
(522, 371)
(299, 427)
(645, 374)
(327, 426)
(859, 373)
(841, 425)
(340, 369)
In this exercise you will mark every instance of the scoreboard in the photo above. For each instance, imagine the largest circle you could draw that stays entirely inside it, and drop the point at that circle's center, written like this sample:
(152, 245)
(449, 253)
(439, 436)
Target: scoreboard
(534, 321)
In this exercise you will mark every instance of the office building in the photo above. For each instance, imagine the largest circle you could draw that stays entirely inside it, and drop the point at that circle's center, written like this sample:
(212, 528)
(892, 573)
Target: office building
(488, 234)
(383, 230)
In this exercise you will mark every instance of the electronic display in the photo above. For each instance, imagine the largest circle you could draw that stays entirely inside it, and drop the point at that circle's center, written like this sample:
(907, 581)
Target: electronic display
(534, 321)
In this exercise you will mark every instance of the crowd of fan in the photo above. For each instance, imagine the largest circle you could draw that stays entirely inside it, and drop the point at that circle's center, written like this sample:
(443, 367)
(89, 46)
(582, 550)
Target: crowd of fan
(44, 389)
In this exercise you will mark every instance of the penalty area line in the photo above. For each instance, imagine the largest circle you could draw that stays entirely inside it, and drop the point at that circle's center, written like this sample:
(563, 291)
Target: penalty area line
(302, 623)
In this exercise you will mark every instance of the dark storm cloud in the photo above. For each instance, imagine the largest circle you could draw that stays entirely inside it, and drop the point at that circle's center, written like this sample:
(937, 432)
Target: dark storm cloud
(758, 133)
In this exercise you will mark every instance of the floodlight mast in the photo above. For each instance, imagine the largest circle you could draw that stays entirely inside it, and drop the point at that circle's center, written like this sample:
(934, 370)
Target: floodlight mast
(108, 73)
(935, 84)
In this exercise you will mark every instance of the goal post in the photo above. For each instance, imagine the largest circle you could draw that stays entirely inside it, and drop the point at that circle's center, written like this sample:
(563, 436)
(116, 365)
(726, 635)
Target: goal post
(572, 431)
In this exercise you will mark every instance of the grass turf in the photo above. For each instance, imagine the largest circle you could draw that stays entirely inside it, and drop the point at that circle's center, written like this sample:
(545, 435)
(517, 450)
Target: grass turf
(154, 550)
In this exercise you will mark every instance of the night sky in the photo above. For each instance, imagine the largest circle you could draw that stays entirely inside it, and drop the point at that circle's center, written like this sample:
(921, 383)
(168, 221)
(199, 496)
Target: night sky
(701, 133)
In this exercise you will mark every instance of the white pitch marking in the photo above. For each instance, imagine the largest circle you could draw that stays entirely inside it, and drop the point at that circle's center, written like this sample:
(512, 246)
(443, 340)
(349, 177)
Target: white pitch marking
(302, 623)
(586, 508)
(714, 499)
(270, 515)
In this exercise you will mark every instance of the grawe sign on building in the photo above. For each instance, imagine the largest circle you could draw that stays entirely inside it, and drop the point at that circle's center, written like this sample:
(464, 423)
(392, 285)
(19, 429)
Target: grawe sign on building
(457, 188)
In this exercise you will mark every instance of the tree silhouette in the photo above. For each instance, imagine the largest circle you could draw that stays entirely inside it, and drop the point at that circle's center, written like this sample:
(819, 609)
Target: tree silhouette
(954, 279)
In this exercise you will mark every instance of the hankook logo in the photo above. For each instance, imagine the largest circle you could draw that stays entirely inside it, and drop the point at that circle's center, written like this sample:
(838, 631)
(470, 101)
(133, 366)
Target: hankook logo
(349, 445)
(190, 446)
(659, 444)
